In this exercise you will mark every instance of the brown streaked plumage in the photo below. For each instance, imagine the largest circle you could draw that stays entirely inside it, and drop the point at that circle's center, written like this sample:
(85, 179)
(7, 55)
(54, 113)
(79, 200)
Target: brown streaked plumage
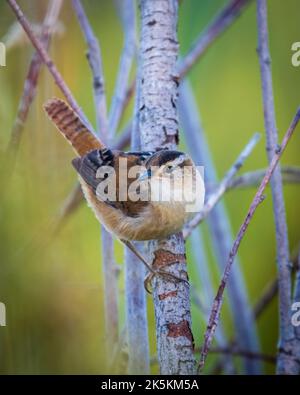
(128, 220)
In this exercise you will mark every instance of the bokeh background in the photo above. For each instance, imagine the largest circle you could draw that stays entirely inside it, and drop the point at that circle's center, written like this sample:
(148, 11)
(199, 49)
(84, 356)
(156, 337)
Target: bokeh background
(53, 289)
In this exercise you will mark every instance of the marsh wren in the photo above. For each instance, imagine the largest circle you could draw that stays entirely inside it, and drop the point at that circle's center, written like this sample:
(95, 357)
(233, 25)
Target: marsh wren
(124, 189)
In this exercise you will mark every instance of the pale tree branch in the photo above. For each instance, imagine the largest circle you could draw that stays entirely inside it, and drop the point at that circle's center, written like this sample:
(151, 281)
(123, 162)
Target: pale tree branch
(122, 93)
(214, 198)
(282, 242)
(219, 227)
(107, 244)
(158, 126)
(290, 175)
(95, 62)
(220, 23)
(258, 198)
(136, 304)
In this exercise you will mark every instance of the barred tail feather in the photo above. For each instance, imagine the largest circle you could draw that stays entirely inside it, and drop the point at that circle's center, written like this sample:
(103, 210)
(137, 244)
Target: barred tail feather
(71, 127)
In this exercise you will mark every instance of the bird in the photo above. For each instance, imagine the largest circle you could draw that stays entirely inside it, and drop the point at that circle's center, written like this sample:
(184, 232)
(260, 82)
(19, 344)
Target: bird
(140, 177)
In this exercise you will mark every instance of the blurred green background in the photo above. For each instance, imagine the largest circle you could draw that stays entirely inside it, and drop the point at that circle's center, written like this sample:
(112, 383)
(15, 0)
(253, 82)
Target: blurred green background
(53, 290)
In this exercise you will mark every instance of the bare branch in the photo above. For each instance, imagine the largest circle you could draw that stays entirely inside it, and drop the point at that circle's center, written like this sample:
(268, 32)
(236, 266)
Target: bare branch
(136, 304)
(107, 244)
(290, 175)
(198, 250)
(219, 24)
(234, 351)
(122, 93)
(258, 198)
(284, 274)
(95, 61)
(48, 61)
(214, 198)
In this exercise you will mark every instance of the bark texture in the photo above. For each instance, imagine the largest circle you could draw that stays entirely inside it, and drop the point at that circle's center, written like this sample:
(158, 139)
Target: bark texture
(158, 122)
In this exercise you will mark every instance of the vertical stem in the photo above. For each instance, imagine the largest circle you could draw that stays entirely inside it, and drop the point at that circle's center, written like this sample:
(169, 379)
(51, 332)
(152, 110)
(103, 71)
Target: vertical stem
(127, 13)
(110, 292)
(284, 271)
(136, 307)
(136, 314)
(95, 62)
(159, 128)
(220, 229)
(106, 243)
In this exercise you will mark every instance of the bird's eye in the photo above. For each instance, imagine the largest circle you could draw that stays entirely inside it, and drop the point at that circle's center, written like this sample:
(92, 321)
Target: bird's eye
(169, 168)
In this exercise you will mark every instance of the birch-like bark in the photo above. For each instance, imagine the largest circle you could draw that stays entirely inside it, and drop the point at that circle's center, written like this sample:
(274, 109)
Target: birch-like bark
(282, 242)
(159, 128)
(220, 230)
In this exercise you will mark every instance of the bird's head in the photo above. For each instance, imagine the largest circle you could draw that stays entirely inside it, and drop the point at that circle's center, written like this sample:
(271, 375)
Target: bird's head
(166, 164)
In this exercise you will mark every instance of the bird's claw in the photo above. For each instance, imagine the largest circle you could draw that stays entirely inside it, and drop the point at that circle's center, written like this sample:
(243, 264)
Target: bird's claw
(168, 276)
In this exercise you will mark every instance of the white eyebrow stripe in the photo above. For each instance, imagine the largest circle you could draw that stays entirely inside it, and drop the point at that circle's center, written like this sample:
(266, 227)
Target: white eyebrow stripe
(180, 159)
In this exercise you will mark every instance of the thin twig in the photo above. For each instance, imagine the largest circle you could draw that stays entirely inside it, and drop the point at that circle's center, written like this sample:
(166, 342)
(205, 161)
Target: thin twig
(282, 242)
(198, 251)
(258, 198)
(120, 97)
(219, 24)
(219, 192)
(243, 353)
(48, 61)
(290, 175)
(95, 61)
(262, 303)
(268, 294)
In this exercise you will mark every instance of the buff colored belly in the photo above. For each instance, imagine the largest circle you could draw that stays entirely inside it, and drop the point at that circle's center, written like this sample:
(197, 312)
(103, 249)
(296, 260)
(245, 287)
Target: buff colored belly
(157, 221)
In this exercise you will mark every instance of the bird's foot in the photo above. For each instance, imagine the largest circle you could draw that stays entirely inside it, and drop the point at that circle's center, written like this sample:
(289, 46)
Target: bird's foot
(166, 275)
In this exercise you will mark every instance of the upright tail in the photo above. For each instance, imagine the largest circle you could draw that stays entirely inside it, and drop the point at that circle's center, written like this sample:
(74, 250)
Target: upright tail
(71, 127)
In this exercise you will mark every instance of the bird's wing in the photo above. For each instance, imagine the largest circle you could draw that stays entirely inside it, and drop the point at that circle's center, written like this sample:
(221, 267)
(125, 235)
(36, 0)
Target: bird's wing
(93, 169)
